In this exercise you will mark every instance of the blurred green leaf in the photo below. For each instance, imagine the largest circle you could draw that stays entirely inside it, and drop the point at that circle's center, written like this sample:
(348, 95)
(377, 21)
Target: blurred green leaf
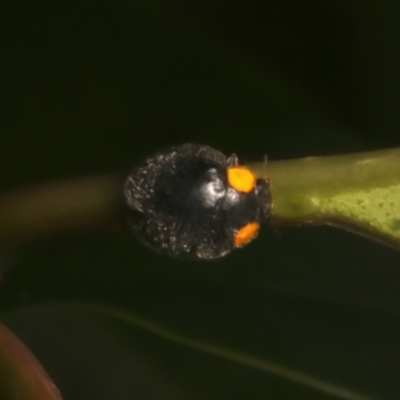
(113, 335)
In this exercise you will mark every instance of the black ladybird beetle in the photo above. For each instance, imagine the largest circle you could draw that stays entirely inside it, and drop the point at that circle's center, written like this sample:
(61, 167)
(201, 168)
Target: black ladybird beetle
(192, 200)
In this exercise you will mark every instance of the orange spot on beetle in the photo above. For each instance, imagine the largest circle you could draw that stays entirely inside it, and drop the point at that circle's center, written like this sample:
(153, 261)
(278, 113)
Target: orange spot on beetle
(241, 179)
(246, 234)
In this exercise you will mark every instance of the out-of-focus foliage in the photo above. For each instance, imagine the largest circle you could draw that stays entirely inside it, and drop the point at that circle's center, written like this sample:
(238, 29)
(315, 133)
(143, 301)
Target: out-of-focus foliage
(22, 376)
(91, 87)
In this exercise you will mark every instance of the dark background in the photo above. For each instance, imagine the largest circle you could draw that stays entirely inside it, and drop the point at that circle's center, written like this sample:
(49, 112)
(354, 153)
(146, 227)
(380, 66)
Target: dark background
(91, 87)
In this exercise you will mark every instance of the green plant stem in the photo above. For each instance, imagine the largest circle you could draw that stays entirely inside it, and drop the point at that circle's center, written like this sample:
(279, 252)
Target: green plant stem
(70, 205)
(359, 192)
